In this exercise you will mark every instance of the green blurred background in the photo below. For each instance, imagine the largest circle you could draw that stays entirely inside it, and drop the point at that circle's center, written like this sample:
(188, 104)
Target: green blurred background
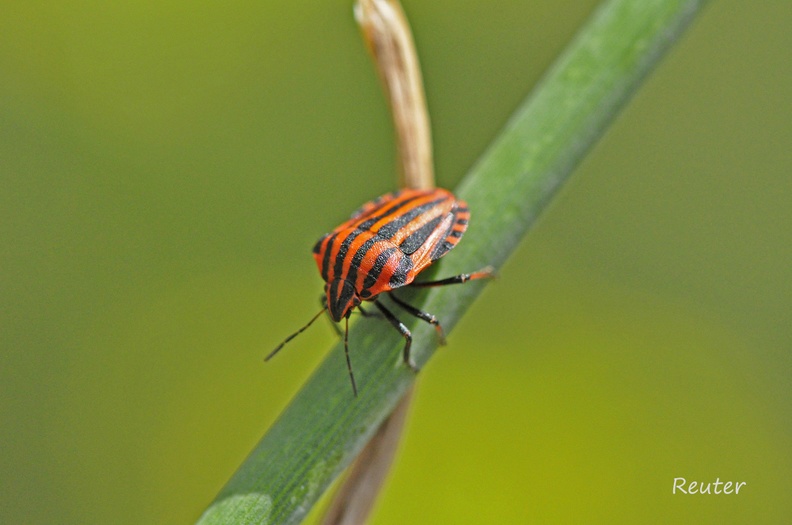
(166, 167)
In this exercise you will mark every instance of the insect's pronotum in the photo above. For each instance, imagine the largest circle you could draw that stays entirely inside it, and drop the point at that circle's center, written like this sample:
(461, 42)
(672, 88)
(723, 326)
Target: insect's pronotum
(384, 246)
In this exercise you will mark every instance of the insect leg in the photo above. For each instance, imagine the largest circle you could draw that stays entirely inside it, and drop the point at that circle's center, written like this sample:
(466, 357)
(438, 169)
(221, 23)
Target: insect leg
(366, 313)
(398, 325)
(484, 273)
(346, 353)
(429, 318)
(295, 334)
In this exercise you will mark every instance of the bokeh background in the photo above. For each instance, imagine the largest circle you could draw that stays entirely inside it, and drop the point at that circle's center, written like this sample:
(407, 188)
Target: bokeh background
(166, 167)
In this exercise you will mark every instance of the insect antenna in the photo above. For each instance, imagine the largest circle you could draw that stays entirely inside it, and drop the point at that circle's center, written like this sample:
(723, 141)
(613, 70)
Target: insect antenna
(346, 352)
(295, 334)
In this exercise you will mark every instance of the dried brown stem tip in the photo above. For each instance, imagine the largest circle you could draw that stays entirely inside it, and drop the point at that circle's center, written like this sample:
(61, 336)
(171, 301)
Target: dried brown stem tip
(388, 36)
(354, 501)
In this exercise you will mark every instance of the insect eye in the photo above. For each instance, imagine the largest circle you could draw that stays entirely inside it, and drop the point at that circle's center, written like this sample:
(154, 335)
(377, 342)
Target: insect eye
(365, 294)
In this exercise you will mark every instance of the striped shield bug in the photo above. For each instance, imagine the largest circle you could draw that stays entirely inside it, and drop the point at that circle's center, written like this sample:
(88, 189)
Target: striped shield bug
(382, 247)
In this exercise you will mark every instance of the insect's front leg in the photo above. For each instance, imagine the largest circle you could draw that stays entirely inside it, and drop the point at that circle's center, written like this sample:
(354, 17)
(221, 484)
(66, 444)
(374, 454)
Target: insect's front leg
(366, 313)
(403, 330)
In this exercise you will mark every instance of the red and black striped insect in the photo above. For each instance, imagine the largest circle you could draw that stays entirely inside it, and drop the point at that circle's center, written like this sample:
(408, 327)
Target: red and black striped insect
(384, 246)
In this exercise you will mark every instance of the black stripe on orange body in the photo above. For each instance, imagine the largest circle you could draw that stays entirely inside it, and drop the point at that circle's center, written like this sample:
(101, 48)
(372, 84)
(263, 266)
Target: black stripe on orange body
(386, 244)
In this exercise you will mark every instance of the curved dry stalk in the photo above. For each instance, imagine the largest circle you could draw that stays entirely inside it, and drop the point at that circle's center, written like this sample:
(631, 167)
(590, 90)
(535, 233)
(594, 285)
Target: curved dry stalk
(387, 33)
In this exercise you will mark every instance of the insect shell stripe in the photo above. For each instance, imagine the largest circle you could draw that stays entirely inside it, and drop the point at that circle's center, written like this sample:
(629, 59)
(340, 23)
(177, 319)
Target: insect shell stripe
(408, 205)
(332, 246)
(432, 212)
(421, 212)
(460, 225)
(386, 268)
(401, 272)
(376, 263)
(462, 213)
(371, 217)
(419, 236)
(393, 272)
(339, 293)
(329, 247)
(353, 240)
(322, 253)
(366, 208)
(368, 244)
(372, 277)
(454, 233)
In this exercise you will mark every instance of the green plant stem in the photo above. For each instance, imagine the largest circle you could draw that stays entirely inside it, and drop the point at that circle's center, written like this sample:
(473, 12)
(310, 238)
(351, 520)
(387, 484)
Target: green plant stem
(324, 427)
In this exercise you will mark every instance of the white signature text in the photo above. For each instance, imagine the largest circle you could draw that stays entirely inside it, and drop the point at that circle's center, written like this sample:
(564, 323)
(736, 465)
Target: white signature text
(699, 487)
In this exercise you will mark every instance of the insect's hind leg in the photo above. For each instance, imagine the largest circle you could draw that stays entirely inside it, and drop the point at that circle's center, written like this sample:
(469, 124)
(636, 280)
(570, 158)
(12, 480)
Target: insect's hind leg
(403, 330)
(420, 314)
(485, 273)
